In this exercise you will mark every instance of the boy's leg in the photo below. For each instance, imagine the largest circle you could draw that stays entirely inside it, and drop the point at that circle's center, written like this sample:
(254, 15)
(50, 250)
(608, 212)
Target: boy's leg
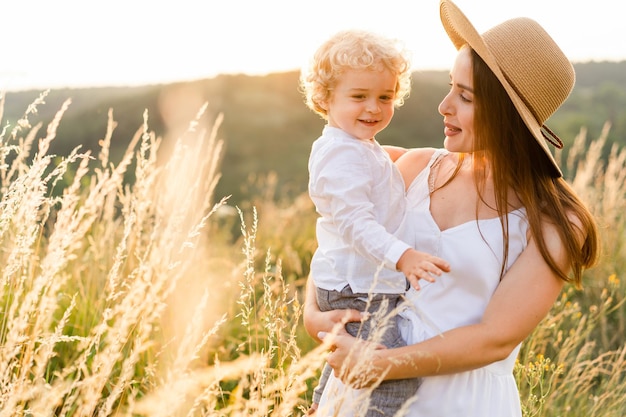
(317, 392)
(331, 300)
(389, 396)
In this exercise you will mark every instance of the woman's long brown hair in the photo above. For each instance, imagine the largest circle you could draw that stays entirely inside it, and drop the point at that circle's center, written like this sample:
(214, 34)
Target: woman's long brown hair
(518, 164)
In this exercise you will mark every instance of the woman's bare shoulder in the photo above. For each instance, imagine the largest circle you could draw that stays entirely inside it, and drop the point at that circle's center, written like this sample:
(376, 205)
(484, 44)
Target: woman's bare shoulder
(417, 158)
(412, 162)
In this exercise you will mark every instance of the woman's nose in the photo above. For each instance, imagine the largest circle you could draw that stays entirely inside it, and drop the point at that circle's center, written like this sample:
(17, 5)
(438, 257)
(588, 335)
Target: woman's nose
(444, 106)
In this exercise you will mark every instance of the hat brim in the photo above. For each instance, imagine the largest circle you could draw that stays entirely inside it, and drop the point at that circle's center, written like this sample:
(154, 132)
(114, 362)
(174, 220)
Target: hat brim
(461, 32)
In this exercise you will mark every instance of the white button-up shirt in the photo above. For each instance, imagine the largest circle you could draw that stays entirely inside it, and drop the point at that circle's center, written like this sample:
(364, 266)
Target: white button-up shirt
(360, 196)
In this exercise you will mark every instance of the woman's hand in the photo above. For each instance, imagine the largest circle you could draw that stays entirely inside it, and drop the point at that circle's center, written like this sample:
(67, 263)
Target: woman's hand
(316, 321)
(353, 359)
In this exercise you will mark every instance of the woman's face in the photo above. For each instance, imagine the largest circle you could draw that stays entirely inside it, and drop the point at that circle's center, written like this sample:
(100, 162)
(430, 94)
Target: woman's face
(457, 107)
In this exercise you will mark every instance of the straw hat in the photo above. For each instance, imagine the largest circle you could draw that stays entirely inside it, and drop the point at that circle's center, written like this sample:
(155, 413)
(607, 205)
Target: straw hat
(536, 74)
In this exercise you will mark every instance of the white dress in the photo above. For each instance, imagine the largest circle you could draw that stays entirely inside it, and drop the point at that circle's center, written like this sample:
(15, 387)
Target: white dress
(458, 298)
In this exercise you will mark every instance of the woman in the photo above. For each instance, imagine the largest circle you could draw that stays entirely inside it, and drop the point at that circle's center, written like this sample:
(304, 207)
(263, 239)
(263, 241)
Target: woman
(494, 204)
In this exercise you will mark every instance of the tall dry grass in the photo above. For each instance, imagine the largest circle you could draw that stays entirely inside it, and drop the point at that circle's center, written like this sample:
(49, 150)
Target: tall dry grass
(574, 364)
(125, 293)
(114, 296)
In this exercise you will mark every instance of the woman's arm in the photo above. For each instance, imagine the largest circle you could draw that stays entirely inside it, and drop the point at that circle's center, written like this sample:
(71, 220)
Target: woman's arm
(316, 321)
(523, 298)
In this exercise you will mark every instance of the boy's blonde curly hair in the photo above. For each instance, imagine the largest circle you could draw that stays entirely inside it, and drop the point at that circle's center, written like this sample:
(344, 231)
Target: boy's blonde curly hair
(354, 49)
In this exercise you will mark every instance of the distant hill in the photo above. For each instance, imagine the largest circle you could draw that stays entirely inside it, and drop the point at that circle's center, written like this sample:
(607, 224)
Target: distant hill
(267, 127)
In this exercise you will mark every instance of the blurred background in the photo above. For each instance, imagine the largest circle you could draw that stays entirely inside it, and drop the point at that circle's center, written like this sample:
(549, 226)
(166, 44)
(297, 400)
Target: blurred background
(242, 57)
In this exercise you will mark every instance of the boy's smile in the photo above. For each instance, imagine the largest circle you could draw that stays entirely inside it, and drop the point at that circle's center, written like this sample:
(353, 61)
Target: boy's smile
(362, 102)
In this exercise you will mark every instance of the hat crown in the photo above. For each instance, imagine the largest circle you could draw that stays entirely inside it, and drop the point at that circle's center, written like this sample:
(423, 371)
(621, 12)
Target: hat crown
(532, 63)
(533, 70)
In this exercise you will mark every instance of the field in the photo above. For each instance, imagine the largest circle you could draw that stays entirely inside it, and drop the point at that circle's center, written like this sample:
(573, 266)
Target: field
(130, 289)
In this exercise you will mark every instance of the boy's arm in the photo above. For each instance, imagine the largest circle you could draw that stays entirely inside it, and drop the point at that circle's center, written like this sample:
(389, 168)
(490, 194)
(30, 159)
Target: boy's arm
(342, 186)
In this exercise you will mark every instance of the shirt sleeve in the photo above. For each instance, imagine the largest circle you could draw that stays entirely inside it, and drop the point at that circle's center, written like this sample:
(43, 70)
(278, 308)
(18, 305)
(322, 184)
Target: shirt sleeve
(342, 186)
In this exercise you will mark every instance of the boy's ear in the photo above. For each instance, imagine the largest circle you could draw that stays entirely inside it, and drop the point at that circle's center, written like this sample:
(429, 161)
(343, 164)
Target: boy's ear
(324, 104)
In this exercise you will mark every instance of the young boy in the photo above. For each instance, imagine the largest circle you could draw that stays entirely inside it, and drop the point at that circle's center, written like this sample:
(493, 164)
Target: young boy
(355, 81)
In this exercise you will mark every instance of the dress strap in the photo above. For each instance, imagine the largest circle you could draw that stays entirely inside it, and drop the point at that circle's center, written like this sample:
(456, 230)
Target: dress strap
(432, 167)
(436, 156)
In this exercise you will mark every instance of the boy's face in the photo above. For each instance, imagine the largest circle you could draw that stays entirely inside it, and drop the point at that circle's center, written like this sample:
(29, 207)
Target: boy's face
(361, 104)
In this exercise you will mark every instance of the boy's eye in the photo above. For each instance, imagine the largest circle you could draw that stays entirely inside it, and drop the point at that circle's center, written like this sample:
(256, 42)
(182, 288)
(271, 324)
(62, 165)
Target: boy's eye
(386, 98)
(358, 96)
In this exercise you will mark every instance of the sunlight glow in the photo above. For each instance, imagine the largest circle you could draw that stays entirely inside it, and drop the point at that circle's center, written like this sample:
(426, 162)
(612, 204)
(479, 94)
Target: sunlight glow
(119, 42)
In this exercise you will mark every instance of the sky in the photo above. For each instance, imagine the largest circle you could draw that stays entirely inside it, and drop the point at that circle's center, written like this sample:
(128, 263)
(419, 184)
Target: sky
(81, 43)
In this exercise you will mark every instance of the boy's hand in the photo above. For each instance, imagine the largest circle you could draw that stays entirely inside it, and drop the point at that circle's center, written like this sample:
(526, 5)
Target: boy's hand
(420, 265)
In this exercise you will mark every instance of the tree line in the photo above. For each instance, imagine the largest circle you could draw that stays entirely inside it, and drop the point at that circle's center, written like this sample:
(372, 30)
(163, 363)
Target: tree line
(267, 128)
